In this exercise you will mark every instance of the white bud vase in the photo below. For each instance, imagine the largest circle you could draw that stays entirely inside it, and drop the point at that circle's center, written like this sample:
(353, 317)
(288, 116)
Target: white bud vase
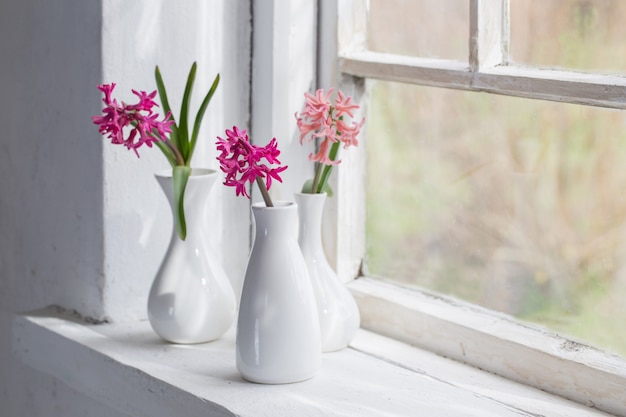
(278, 333)
(338, 312)
(191, 299)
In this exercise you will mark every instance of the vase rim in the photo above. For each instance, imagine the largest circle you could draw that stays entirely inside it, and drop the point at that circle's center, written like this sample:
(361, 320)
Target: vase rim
(195, 172)
(313, 195)
(278, 205)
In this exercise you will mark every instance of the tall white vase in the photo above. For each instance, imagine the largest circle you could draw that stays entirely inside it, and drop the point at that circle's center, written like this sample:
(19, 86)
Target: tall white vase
(191, 299)
(278, 333)
(338, 312)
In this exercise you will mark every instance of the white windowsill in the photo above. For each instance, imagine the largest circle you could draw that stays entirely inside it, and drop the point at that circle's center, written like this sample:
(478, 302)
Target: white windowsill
(497, 343)
(126, 366)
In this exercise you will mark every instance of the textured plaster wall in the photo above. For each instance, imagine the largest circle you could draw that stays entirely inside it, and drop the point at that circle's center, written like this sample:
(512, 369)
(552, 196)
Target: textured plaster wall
(82, 224)
(51, 178)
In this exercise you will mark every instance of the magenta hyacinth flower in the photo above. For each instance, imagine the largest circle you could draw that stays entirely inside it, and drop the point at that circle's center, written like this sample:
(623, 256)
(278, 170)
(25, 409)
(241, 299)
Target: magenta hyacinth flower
(242, 162)
(137, 124)
(132, 125)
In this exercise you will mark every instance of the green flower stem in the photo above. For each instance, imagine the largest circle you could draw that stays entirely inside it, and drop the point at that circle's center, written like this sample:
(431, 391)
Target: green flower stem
(322, 173)
(316, 179)
(325, 176)
(264, 193)
(179, 157)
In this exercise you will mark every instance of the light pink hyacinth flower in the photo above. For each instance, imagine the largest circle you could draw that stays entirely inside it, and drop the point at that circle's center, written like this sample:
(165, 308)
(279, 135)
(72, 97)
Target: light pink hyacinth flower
(324, 119)
(327, 120)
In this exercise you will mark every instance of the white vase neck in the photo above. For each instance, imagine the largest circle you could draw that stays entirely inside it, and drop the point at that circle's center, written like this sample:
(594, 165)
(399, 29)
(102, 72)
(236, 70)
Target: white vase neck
(310, 210)
(280, 221)
(196, 195)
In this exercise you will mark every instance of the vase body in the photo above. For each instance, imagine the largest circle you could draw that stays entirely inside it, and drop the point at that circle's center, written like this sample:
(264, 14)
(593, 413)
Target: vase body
(191, 299)
(338, 313)
(278, 333)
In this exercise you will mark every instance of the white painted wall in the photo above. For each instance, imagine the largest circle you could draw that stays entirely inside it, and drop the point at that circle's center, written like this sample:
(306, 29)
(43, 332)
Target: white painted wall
(136, 37)
(83, 224)
(284, 67)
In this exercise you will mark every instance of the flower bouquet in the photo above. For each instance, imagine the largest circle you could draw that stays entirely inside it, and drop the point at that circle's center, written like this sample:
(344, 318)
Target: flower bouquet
(241, 161)
(135, 125)
(325, 120)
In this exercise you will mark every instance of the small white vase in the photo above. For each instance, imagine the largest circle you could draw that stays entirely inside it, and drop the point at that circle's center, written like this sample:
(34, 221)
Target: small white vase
(191, 299)
(338, 312)
(278, 333)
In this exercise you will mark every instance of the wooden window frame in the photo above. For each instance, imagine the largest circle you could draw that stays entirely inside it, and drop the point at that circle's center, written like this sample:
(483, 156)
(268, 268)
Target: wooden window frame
(468, 333)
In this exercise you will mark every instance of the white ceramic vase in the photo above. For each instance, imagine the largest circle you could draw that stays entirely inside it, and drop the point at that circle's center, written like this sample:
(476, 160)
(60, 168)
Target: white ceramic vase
(338, 312)
(278, 333)
(191, 299)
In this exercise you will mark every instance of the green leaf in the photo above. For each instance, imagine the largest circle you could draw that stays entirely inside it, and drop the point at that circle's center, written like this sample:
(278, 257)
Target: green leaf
(328, 190)
(307, 188)
(171, 158)
(183, 128)
(198, 122)
(166, 107)
(161, 89)
(180, 176)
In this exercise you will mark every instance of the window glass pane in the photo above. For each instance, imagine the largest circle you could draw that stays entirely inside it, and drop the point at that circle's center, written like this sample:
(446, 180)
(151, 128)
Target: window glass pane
(514, 204)
(425, 28)
(575, 34)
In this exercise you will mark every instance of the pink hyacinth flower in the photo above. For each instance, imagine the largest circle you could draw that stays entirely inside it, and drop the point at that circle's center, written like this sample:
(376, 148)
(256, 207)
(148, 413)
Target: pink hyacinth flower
(345, 105)
(321, 118)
